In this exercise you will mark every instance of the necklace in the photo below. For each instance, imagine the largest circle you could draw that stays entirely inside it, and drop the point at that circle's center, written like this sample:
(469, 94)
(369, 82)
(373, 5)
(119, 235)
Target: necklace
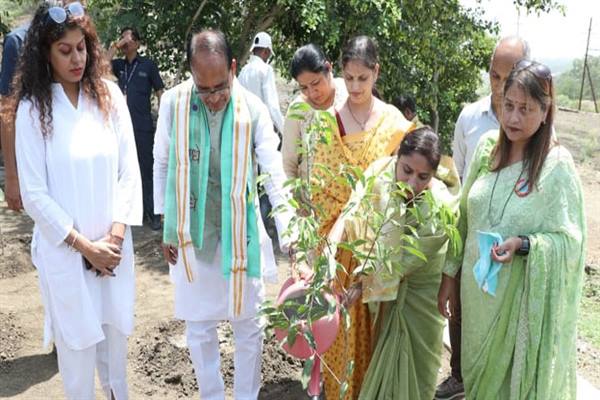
(496, 222)
(364, 123)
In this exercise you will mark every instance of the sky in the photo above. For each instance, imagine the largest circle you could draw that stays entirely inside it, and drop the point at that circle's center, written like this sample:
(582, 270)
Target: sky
(551, 36)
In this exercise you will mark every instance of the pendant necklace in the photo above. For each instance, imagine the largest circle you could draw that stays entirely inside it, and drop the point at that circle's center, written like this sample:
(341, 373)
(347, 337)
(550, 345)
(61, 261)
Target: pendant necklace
(493, 222)
(364, 123)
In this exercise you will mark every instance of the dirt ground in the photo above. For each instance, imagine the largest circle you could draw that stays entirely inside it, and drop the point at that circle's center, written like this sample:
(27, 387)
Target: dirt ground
(159, 367)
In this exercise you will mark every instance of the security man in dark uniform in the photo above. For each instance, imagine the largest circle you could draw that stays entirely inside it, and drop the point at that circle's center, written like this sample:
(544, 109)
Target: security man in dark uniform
(137, 77)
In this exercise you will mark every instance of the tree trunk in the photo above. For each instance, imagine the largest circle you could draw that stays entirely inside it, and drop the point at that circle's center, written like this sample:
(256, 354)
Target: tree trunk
(265, 23)
(435, 118)
(187, 33)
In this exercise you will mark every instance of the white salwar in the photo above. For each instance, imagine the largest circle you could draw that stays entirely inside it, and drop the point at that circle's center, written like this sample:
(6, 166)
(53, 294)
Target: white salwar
(83, 175)
(203, 302)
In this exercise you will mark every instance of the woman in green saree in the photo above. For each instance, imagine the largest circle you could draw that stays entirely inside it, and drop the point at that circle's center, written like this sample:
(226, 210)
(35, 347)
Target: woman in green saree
(408, 331)
(520, 292)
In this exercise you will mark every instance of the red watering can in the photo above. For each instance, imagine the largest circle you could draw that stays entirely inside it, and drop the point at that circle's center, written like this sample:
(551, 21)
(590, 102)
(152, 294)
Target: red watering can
(324, 331)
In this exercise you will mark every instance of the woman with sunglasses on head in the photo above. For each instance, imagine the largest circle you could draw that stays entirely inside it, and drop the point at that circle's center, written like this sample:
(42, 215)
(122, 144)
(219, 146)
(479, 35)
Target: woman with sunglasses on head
(522, 219)
(80, 183)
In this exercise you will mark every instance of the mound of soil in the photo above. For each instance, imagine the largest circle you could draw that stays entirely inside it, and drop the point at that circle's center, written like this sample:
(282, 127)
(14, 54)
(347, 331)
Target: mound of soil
(15, 256)
(162, 360)
(11, 336)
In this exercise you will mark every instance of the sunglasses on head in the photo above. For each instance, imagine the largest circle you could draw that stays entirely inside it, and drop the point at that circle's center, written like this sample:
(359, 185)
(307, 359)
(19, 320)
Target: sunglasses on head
(60, 14)
(539, 70)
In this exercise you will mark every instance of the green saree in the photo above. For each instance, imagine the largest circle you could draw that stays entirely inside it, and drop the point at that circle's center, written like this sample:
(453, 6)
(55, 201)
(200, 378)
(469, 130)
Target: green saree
(408, 346)
(520, 344)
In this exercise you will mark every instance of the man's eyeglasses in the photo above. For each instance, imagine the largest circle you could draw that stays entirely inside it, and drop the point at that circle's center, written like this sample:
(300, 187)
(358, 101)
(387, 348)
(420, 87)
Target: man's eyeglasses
(60, 14)
(206, 93)
(539, 70)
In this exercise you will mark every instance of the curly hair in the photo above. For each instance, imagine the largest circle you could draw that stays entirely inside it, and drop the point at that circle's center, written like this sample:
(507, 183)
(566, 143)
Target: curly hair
(33, 80)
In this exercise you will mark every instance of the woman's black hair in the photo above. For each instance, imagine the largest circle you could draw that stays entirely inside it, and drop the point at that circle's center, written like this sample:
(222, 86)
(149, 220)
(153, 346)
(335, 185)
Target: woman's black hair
(425, 142)
(360, 48)
(309, 58)
(134, 32)
(34, 78)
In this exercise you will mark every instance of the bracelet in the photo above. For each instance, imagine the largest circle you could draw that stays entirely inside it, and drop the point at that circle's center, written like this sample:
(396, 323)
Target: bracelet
(525, 245)
(72, 245)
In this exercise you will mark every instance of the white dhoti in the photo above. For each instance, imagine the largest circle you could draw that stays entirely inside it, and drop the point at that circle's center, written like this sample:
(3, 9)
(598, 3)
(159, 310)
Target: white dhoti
(203, 303)
(203, 294)
(203, 343)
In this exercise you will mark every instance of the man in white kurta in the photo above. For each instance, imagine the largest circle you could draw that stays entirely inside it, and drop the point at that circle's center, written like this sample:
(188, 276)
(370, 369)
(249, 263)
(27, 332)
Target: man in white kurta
(259, 78)
(83, 176)
(203, 293)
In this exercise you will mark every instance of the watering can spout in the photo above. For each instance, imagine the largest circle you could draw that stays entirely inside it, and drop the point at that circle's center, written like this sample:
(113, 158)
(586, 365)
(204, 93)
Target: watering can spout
(314, 385)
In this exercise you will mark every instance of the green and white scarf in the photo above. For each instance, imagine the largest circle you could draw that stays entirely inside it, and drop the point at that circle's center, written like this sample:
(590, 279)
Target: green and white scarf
(184, 224)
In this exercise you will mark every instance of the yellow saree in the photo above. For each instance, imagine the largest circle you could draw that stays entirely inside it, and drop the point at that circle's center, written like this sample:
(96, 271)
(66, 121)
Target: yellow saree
(356, 150)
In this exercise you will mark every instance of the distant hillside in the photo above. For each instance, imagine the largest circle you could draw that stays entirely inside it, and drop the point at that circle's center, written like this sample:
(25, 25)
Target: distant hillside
(568, 84)
(558, 65)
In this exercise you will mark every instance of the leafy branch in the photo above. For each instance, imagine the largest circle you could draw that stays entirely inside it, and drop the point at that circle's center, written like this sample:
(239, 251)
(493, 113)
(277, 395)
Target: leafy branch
(316, 251)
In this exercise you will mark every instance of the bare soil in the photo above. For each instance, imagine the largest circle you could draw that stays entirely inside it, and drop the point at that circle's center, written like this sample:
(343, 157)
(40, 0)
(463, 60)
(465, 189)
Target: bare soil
(159, 366)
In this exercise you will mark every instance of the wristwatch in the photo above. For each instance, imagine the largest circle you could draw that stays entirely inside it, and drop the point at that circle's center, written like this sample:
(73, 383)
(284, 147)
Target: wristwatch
(524, 249)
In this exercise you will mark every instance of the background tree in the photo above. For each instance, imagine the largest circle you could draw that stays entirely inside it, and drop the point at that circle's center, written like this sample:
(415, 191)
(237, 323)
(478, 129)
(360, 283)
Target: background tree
(568, 84)
(434, 50)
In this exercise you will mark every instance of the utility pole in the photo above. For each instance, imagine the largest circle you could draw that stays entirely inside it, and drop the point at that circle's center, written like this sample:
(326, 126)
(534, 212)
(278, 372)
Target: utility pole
(592, 87)
(585, 64)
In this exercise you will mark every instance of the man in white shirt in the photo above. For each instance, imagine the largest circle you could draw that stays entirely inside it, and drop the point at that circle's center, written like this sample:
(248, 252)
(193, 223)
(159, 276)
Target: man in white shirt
(475, 120)
(258, 77)
(210, 133)
(482, 116)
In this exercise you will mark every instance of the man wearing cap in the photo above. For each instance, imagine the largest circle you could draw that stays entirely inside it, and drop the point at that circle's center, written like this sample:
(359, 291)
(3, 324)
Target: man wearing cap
(137, 77)
(258, 77)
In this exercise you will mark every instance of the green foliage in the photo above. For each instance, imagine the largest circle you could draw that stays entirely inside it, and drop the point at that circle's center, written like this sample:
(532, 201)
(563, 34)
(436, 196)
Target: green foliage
(589, 320)
(568, 84)
(539, 6)
(11, 11)
(431, 49)
(317, 252)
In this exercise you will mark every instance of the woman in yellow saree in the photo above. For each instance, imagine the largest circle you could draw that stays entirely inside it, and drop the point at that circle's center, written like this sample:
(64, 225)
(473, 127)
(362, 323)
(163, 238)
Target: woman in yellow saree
(368, 129)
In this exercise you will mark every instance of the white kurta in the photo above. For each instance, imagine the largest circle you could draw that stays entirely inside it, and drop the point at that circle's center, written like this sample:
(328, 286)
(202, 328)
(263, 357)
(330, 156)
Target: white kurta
(84, 175)
(206, 297)
(259, 78)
